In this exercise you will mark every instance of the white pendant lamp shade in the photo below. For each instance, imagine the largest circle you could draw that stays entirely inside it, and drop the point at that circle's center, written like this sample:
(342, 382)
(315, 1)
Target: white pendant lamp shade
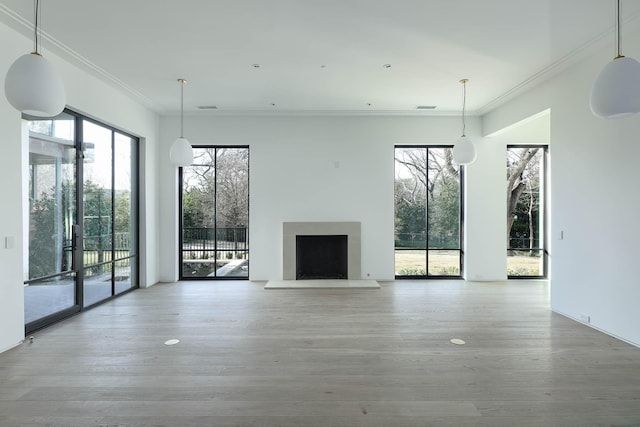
(181, 153)
(32, 84)
(616, 91)
(463, 151)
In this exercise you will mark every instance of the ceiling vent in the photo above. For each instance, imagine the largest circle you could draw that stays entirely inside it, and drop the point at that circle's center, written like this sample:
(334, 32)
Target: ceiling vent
(207, 107)
(426, 107)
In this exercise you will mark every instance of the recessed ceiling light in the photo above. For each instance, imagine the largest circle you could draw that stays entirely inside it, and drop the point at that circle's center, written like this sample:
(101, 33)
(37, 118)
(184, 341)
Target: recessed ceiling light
(207, 107)
(426, 107)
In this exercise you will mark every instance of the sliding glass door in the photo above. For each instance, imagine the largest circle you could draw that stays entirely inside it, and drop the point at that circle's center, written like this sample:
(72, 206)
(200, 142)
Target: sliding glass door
(83, 217)
(50, 270)
(109, 212)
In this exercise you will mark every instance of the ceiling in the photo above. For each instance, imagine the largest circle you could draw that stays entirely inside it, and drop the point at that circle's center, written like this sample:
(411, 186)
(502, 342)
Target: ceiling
(322, 56)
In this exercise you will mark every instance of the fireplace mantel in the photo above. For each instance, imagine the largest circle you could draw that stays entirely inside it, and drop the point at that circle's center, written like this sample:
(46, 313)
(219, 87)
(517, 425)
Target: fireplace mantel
(292, 229)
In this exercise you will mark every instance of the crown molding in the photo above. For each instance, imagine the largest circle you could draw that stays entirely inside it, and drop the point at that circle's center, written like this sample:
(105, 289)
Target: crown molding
(25, 27)
(574, 57)
(317, 113)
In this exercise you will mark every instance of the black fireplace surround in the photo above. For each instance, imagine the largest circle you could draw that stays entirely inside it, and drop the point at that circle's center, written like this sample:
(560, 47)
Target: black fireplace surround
(321, 257)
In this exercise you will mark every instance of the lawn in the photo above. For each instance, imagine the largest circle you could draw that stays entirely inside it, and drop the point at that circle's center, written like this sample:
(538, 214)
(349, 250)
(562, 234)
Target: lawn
(446, 263)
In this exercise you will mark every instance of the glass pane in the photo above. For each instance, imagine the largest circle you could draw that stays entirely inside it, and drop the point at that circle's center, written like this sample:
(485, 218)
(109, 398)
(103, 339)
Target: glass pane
(97, 283)
(52, 213)
(198, 215)
(232, 210)
(61, 128)
(98, 208)
(411, 263)
(49, 296)
(443, 201)
(444, 263)
(199, 263)
(98, 212)
(410, 210)
(525, 263)
(124, 277)
(232, 264)
(124, 223)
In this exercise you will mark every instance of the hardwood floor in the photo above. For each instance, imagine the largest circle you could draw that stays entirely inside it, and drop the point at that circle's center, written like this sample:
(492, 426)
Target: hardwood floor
(322, 357)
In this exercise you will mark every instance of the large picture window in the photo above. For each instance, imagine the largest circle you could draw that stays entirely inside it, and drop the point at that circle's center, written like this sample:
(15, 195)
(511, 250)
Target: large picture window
(526, 203)
(428, 213)
(214, 216)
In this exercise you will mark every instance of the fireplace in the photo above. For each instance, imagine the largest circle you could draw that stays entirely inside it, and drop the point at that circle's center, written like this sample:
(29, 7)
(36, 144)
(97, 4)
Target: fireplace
(349, 231)
(321, 257)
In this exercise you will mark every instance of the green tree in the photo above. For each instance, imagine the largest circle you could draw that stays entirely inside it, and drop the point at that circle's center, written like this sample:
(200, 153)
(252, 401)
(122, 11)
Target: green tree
(444, 214)
(217, 186)
(50, 231)
(432, 186)
(97, 220)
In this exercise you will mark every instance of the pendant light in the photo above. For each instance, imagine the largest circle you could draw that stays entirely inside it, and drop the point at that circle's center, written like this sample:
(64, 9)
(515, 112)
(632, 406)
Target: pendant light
(32, 85)
(181, 153)
(463, 151)
(616, 92)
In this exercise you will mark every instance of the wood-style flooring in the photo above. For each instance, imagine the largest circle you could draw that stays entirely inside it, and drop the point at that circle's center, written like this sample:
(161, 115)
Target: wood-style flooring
(322, 357)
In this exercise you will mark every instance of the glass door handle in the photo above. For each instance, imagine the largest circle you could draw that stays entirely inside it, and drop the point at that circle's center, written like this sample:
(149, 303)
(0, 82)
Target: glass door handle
(74, 245)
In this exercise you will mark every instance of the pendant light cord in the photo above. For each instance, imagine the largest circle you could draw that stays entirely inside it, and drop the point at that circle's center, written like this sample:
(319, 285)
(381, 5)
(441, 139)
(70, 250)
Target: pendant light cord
(464, 105)
(182, 82)
(35, 28)
(619, 55)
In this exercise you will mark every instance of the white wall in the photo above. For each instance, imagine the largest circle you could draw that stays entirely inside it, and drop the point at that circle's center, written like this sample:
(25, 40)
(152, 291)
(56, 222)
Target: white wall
(293, 177)
(93, 97)
(11, 288)
(594, 199)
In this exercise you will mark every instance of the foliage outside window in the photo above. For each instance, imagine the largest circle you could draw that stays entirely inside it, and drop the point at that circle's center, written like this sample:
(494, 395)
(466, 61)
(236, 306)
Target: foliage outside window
(526, 253)
(427, 212)
(215, 214)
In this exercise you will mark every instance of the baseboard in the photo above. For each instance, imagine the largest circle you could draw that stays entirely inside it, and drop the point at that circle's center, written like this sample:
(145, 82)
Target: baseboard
(11, 346)
(592, 326)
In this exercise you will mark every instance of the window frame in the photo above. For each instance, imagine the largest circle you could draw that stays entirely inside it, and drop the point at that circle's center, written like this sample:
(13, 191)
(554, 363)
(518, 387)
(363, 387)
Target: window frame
(543, 215)
(460, 249)
(78, 255)
(181, 275)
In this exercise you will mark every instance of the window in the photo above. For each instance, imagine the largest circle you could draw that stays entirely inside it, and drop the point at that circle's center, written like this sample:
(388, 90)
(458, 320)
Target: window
(428, 213)
(214, 217)
(526, 225)
(83, 216)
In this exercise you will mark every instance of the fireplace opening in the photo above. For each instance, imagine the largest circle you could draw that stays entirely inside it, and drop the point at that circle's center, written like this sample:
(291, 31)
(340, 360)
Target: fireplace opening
(321, 257)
